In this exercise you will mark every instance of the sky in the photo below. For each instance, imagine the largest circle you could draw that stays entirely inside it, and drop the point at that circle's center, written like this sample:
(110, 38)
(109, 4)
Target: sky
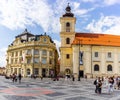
(40, 16)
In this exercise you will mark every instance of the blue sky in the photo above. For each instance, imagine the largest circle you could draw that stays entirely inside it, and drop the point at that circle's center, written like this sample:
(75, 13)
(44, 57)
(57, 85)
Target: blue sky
(39, 16)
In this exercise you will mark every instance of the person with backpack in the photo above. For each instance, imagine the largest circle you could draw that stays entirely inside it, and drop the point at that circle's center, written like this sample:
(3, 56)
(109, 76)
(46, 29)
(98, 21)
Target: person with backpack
(96, 84)
(99, 86)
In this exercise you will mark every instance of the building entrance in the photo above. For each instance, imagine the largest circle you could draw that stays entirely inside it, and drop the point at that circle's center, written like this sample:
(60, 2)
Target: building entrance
(81, 73)
(43, 72)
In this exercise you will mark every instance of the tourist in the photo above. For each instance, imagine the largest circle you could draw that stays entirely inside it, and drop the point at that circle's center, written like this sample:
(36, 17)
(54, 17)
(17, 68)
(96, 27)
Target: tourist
(19, 77)
(110, 85)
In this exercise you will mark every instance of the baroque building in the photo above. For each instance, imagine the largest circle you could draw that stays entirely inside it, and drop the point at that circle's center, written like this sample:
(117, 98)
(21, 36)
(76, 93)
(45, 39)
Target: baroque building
(88, 54)
(32, 55)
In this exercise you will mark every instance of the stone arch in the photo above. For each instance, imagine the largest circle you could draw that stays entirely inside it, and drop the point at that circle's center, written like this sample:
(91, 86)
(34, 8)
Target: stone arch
(28, 71)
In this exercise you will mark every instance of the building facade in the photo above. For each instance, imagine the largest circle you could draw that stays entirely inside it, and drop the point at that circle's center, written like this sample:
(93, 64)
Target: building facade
(32, 55)
(88, 54)
(2, 70)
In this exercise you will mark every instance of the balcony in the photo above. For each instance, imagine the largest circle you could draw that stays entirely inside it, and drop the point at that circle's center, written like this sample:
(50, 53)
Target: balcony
(28, 55)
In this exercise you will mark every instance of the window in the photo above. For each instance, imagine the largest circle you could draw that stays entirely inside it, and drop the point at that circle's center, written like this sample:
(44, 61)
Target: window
(28, 61)
(44, 60)
(16, 53)
(36, 71)
(44, 52)
(28, 51)
(21, 53)
(67, 40)
(12, 54)
(96, 54)
(50, 61)
(28, 71)
(109, 68)
(67, 24)
(16, 61)
(109, 55)
(67, 27)
(36, 52)
(96, 67)
(50, 53)
(36, 60)
(67, 56)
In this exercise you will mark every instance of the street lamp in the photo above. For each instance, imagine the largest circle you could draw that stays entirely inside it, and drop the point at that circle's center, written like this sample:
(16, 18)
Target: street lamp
(79, 63)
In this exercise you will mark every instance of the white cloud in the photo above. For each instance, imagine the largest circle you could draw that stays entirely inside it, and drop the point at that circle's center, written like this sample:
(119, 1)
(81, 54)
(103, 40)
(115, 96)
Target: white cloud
(89, 1)
(3, 57)
(106, 24)
(16, 14)
(80, 11)
(111, 2)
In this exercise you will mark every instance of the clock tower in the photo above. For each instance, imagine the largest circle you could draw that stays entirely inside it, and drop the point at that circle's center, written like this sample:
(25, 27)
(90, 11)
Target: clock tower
(67, 35)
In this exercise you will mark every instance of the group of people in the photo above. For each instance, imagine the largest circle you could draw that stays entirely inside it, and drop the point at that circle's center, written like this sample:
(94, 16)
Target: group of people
(16, 77)
(110, 83)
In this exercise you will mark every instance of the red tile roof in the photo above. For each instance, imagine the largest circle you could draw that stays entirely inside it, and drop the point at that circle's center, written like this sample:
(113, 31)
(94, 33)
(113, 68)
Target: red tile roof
(97, 39)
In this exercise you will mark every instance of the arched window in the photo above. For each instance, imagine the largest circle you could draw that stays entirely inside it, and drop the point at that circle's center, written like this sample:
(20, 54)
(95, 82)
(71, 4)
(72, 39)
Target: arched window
(67, 40)
(67, 27)
(67, 24)
(28, 71)
(109, 68)
(96, 67)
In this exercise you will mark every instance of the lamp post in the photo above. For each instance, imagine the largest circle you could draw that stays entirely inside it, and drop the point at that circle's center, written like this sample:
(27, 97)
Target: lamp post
(79, 62)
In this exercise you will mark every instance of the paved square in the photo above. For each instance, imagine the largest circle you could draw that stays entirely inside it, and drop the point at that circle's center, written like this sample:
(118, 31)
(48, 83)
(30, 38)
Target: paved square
(35, 89)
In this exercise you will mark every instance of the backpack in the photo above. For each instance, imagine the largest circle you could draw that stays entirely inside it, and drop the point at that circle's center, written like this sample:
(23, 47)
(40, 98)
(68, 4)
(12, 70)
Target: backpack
(95, 82)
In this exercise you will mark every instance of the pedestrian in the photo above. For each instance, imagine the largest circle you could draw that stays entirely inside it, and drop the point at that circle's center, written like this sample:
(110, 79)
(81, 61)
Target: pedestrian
(16, 77)
(110, 85)
(96, 86)
(99, 86)
(19, 77)
(13, 78)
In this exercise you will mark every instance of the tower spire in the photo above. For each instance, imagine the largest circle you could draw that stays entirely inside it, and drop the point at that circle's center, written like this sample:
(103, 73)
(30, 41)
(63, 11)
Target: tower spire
(68, 12)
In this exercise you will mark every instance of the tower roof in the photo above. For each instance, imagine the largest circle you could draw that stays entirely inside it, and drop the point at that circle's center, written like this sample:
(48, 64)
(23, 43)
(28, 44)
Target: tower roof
(68, 12)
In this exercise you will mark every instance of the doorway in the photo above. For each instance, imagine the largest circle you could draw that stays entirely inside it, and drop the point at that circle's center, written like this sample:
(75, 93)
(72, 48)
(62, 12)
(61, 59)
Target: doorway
(43, 72)
(81, 73)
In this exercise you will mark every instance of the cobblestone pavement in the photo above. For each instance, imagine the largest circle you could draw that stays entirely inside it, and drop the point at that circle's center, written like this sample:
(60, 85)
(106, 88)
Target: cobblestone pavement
(35, 89)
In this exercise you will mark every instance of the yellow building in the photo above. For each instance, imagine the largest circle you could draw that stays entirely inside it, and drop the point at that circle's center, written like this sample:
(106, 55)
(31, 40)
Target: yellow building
(32, 55)
(87, 53)
(2, 70)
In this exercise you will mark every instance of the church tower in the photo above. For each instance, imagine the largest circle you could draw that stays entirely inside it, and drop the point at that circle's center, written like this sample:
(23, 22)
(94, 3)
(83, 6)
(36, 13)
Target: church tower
(67, 35)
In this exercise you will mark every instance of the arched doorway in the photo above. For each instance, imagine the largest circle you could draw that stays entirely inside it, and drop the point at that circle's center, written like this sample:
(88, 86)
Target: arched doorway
(28, 72)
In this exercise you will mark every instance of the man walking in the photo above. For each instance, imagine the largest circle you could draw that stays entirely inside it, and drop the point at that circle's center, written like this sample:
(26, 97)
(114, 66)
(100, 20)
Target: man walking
(19, 77)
